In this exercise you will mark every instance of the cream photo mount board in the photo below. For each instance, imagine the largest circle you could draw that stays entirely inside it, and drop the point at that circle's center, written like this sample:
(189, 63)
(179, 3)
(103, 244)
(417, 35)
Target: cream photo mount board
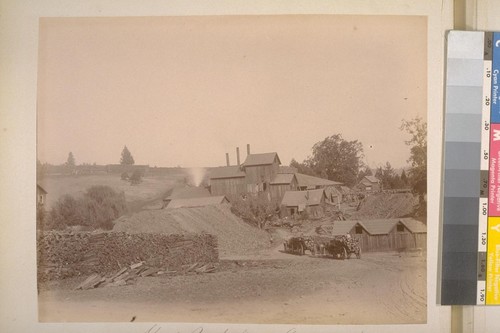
(19, 37)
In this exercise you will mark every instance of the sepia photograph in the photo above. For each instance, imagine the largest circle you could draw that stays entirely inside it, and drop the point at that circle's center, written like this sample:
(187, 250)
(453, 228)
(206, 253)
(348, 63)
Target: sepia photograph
(246, 169)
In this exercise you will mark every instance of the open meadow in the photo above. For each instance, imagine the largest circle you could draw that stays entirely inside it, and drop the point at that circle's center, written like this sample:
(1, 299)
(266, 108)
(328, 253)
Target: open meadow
(152, 187)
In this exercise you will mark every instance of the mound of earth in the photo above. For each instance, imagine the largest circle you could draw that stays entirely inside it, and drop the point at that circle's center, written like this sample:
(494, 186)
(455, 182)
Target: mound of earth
(386, 205)
(235, 237)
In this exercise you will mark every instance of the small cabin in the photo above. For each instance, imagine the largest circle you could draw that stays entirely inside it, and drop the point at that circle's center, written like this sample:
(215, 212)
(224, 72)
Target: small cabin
(369, 184)
(297, 202)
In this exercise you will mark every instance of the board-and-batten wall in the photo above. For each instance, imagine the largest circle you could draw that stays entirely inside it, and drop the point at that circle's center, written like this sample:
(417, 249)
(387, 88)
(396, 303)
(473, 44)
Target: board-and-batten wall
(228, 186)
(261, 173)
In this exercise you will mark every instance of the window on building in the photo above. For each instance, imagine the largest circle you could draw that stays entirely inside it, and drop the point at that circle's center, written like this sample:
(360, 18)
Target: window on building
(359, 230)
(400, 227)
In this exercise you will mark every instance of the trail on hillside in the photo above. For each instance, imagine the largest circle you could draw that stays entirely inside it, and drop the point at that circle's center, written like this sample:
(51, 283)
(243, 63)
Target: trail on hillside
(234, 235)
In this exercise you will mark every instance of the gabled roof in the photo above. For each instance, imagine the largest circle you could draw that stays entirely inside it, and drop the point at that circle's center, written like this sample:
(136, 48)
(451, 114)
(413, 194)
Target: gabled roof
(307, 198)
(41, 189)
(233, 171)
(188, 192)
(197, 202)
(344, 227)
(283, 178)
(378, 226)
(287, 169)
(261, 159)
(312, 182)
(372, 179)
(414, 226)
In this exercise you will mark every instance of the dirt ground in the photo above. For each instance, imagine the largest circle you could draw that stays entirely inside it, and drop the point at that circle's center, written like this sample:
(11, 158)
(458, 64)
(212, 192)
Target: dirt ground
(273, 287)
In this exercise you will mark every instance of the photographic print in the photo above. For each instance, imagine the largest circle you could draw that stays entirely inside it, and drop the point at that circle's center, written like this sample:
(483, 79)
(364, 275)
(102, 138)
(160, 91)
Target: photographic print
(232, 169)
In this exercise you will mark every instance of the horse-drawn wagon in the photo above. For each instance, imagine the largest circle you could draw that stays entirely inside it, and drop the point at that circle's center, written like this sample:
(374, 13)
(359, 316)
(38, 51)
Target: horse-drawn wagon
(342, 247)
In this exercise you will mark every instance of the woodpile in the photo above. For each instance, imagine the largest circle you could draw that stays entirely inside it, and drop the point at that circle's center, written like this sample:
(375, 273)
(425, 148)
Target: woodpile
(128, 275)
(62, 255)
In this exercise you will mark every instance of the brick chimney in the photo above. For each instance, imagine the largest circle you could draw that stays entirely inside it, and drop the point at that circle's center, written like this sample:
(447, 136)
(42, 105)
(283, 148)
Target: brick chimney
(238, 155)
(227, 159)
(248, 149)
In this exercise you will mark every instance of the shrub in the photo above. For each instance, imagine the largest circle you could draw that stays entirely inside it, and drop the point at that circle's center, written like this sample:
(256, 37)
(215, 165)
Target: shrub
(99, 206)
(66, 212)
(125, 176)
(257, 210)
(136, 177)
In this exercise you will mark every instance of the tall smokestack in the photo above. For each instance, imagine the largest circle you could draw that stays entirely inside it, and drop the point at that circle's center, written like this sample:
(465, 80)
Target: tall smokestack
(227, 159)
(238, 155)
(248, 149)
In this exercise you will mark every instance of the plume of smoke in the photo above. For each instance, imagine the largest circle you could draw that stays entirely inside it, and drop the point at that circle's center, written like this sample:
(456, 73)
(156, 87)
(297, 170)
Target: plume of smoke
(197, 175)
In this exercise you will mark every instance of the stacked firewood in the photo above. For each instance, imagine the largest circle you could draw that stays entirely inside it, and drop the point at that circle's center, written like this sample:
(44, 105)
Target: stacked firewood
(62, 255)
(128, 275)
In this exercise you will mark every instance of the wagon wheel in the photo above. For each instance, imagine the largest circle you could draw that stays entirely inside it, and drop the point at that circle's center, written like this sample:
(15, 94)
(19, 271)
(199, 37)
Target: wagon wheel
(343, 254)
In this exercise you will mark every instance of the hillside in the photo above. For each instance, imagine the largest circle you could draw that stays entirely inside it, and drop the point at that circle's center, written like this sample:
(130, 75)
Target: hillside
(386, 205)
(235, 237)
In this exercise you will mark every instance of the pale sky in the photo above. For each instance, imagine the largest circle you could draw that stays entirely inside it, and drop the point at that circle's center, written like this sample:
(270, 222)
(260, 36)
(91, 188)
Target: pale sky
(186, 90)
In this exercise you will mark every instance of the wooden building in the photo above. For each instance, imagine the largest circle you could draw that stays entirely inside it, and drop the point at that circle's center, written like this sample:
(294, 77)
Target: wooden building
(282, 183)
(369, 184)
(385, 234)
(310, 201)
(260, 170)
(41, 195)
(307, 182)
(229, 181)
(198, 202)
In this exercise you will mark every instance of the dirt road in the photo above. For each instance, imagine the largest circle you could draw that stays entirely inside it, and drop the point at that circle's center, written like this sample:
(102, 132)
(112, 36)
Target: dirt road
(379, 288)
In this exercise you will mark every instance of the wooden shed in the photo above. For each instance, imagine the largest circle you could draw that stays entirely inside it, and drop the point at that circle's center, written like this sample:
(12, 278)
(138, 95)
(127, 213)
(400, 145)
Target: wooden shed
(296, 202)
(282, 183)
(228, 180)
(385, 234)
(369, 184)
(307, 182)
(41, 195)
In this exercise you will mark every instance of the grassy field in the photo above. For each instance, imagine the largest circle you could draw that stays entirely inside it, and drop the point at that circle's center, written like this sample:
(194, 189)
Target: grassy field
(151, 188)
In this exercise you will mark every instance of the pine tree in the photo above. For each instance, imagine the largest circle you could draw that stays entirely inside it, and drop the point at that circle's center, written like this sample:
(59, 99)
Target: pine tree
(126, 158)
(70, 162)
(404, 179)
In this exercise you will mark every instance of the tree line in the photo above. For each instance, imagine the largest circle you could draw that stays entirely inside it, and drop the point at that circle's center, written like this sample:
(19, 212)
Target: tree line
(70, 167)
(337, 159)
